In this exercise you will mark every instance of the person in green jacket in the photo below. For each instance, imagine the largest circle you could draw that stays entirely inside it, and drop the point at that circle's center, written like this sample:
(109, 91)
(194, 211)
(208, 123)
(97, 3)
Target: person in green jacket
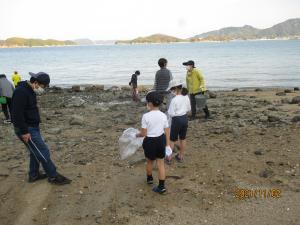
(196, 86)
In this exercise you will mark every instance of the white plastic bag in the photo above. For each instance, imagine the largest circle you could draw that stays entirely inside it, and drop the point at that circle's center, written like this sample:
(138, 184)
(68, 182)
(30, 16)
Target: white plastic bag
(128, 143)
(168, 151)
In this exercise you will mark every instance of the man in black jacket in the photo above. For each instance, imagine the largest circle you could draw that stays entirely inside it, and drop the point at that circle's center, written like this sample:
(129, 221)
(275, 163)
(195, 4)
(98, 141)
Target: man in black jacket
(26, 120)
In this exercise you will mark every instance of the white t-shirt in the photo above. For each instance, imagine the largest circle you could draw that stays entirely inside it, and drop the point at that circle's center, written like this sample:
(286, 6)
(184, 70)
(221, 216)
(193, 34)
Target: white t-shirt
(155, 122)
(179, 106)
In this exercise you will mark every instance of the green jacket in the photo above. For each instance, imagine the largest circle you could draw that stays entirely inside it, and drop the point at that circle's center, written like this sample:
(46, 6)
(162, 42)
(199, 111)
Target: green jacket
(195, 81)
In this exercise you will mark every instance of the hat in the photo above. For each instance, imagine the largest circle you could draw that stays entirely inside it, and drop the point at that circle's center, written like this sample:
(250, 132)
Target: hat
(189, 63)
(174, 83)
(137, 72)
(41, 77)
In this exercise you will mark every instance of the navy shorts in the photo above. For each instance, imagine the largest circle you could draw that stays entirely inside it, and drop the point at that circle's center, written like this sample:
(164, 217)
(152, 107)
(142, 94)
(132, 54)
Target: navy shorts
(155, 147)
(179, 128)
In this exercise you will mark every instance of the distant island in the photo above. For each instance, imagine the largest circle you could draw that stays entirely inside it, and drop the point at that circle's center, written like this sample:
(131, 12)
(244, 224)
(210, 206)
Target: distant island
(289, 29)
(23, 42)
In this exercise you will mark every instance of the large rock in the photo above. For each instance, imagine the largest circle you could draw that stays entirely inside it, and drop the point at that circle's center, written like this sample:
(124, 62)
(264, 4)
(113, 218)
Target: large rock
(235, 89)
(288, 91)
(296, 89)
(76, 120)
(281, 94)
(76, 88)
(75, 102)
(258, 89)
(94, 88)
(53, 131)
(296, 119)
(272, 118)
(212, 94)
(296, 100)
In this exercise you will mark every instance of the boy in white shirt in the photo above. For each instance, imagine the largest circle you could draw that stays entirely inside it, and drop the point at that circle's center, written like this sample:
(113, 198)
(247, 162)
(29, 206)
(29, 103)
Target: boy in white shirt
(179, 107)
(155, 129)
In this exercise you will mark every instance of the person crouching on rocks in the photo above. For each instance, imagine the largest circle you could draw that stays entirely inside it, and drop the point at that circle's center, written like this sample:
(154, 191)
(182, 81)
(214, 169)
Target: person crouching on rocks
(26, 120)
(133, 83)
(155, 129)
(179, 107)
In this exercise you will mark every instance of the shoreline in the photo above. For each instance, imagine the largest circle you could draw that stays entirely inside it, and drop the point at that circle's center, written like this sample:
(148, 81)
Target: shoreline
(145, 86)
(154, 43)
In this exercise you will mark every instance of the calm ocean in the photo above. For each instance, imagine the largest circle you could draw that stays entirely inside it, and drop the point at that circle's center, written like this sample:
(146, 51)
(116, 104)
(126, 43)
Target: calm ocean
(225, 65)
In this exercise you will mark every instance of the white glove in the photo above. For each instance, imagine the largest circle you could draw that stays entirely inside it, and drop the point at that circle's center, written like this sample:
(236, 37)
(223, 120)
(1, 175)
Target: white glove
(168, 151)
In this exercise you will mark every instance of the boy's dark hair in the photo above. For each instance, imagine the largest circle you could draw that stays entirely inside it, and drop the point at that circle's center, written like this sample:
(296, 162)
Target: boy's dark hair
(16, 72)
(162, 62)
(137, 72)
(176, 87)
(155, 98)
(33, 79)
(184, 91)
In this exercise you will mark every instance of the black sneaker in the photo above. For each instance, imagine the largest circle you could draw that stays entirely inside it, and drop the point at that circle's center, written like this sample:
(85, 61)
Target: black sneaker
(41, 176)
(59, 180)
(7, 121)
(150, 180)
(160, 190)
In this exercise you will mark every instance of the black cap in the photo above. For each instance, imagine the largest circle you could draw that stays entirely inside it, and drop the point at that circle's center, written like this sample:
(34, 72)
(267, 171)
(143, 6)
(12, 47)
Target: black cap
(189, 63)
(155, 98)
(41, 77)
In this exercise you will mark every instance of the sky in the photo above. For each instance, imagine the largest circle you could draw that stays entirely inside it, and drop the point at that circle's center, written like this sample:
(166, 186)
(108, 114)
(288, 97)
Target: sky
(127, 19)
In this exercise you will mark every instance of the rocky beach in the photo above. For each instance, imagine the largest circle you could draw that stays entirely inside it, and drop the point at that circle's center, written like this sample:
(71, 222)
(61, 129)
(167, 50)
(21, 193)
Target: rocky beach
(252, 142)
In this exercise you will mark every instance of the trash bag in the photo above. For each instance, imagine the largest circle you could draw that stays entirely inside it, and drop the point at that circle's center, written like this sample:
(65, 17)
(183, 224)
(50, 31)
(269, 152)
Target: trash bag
(200, 101)
(128, 144)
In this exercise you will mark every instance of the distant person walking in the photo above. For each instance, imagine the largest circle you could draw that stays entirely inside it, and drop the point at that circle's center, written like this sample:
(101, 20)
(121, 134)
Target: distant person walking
(26, 120)
(162, 80)
(196, 86)
(16, 78)
(6, 93)
(133, 84)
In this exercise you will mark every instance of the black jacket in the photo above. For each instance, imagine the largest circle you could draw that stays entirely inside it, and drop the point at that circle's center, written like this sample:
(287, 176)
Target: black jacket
(133, 81)
(25, 112)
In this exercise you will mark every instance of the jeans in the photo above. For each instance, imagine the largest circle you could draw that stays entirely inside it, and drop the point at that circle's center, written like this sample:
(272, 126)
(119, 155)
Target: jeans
(193, 105)
(38, 153)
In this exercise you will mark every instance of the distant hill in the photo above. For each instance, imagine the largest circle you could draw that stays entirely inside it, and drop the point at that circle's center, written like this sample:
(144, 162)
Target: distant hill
(23, 42)
(287, 29)
(84, 41)
(155, 38)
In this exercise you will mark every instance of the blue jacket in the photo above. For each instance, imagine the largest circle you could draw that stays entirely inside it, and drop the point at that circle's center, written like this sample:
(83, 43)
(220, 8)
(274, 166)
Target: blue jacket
(25, 112)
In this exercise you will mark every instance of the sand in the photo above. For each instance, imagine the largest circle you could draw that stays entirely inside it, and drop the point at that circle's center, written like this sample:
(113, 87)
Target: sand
(251, 143)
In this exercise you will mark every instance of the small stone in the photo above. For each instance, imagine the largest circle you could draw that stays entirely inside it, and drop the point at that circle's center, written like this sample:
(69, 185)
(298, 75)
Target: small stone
(212, 94)
(281, 94)
(266, 173)
(258, 89)
(99, 131)
(235, 89)
(258, 152)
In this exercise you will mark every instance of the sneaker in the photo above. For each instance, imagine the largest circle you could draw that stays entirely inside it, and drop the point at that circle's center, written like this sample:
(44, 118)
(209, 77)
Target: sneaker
(150, 180)
(178, 158)
(7, 121)
(40, 176)
(168, 161)
(59, 180)
(160, 190)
